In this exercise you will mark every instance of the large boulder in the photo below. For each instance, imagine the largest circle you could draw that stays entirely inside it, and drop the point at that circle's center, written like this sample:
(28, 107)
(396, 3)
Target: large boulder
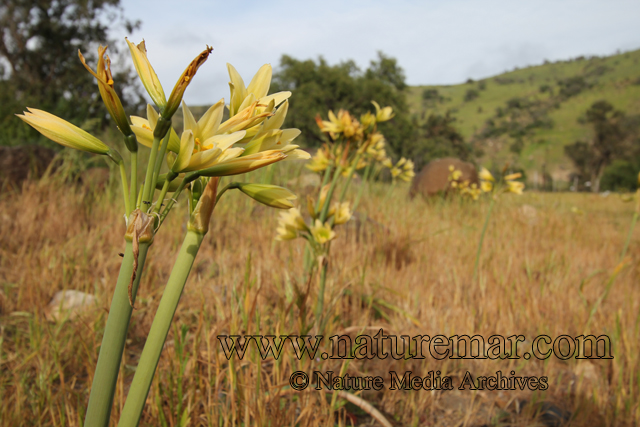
(22, 162)
(433, 179)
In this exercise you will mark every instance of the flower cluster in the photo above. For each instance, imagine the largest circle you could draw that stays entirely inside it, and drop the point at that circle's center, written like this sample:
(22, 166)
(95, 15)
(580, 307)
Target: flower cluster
(354, 144)
(291, 224)
(488, 183)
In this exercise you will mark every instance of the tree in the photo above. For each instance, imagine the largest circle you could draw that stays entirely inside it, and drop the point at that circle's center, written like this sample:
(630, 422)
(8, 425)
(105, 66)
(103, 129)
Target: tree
(39, 63)
(437, 138)
(319, 87)
(611, 132)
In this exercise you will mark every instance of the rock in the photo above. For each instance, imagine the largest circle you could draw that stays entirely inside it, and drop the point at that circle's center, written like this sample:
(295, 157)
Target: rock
(433, 179)
(22, 162)
(68, 303)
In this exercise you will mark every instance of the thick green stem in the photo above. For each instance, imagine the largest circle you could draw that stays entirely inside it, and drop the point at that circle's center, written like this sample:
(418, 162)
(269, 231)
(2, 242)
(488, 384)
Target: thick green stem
(484, 230)
(115, 333)
(230, 186)
(145, 371)
(125, 188)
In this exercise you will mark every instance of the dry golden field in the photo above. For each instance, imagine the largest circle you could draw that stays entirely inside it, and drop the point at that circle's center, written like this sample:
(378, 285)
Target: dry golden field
(547, 259)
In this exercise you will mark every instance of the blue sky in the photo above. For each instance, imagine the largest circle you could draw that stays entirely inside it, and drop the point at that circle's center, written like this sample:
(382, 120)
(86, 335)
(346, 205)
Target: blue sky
(435, 41)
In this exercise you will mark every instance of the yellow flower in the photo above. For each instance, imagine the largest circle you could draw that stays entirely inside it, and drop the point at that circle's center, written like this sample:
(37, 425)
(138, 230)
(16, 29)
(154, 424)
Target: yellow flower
(341, 213)
(515, 187)
(486, 186)
(319, 162)
(109, 95)
(239, 165)
(383, 114)
(63, 132)
(512, 176)
(322, 233)
(242, 96)
(270, 195)
(183, 82)
(368, 120)
(147, 75)
(485, 175)
(143, 128)
(289, 224)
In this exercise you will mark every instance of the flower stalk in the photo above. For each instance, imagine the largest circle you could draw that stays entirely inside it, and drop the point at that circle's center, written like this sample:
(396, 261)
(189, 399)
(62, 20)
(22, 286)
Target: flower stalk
(106, 374)
(197, 227)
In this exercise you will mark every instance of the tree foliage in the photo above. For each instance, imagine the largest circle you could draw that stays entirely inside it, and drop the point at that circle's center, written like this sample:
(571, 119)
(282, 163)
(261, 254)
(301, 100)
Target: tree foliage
(39, 63)
(613, 138)
(319, 87)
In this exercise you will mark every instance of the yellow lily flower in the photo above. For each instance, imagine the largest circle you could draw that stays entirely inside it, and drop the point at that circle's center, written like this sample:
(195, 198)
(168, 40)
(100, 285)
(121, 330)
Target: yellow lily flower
(108, 94)
(289, 224)
(63, 132)
(383, 114)
(192, 158)
(183, 82)
(143, 128)
(341, 213)
(485, 175)
(147, 74)
(239, 165)
(515, 187)
(322, 233)
(512, 176)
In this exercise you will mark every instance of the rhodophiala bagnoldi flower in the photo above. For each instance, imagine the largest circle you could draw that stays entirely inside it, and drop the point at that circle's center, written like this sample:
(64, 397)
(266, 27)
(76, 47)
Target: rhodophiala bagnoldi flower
(322, 233)
(147, 74)
(109, 96)
(63, 132)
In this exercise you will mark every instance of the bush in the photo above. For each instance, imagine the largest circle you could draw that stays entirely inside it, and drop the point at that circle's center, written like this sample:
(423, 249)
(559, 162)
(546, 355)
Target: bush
(620, 175)
(471, 95)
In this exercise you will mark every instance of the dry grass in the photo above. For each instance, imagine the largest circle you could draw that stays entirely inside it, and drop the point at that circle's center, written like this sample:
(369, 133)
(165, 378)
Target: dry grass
(407, 269)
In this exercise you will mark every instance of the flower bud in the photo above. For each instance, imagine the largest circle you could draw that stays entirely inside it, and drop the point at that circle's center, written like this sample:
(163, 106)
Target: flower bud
(270, 195)
(185, 79)
(63, 132)
(110, 97)
(148, 76)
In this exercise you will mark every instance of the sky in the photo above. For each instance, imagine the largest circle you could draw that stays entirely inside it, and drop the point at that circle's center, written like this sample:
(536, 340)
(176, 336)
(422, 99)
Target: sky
(434, 41)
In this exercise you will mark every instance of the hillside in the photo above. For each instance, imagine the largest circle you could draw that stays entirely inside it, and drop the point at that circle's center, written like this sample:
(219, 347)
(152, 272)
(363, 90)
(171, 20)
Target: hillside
(535, 111)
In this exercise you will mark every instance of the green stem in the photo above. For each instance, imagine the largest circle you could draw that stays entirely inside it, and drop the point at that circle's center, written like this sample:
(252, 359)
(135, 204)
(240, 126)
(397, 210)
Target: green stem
(125, 188)
(145, 371)
(484, 230)
(327, 200)
(325, 181)
(134, 178)
(230, 186)
(365, 180)
(629, 234)
(147, 192)
(189, 178)
(163, 151)
(115, 333)
(321, 291)
(165, 187)
(343, 194)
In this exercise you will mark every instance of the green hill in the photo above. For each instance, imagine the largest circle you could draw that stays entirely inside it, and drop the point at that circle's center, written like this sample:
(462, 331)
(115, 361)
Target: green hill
(528, 115)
